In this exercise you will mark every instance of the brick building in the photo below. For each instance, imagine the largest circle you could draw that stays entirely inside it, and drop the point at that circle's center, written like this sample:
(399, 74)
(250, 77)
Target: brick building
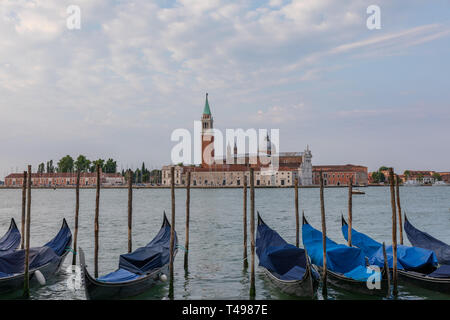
(64, 179)
(336, 175)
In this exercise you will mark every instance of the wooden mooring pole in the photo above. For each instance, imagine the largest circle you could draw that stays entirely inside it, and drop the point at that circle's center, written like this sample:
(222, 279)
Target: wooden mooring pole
(96, 227)
(399, 207)
(394, 231)
(172, 230)
(350, 210)
(252, 233)
(24, 204)
(245, 222)
(26, 285)
(130, 211)
(324, 235)
(77, 210)
(297, 218)
(188, 204)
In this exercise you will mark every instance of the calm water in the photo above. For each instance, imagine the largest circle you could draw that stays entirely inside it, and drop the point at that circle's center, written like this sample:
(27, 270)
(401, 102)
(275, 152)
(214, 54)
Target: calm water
(216, 266)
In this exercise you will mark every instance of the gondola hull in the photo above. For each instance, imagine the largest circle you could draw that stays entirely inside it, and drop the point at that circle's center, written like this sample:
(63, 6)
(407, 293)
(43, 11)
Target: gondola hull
(99, 290)
(306, 287)
(16, 282)
(419, 279)
(342, 282)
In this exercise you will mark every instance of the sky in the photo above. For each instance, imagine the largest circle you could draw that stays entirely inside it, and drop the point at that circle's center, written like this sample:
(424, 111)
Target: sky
(137, 70)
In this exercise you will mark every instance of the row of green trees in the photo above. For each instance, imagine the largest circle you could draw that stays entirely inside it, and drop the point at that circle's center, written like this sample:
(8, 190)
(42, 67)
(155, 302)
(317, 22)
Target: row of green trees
(68, 164)
(83, 164)
(143, 175)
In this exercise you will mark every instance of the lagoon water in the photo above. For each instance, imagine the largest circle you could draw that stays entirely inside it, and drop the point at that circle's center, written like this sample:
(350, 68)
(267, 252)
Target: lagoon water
(216, 235)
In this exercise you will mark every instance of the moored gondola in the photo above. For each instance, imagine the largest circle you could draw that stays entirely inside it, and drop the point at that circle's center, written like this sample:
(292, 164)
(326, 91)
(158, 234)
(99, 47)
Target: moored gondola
(417, 266)
(47, 259)
(346, 266)
(287, 267)
(138, 271)
(11, 240)
(424, 240)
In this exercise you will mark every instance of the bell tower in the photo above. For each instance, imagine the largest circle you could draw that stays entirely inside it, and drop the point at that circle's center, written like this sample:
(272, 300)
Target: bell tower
(207, 136)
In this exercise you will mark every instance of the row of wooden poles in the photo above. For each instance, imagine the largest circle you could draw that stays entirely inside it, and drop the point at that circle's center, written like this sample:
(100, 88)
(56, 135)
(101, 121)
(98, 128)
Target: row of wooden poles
(396, 208)
(26, 218)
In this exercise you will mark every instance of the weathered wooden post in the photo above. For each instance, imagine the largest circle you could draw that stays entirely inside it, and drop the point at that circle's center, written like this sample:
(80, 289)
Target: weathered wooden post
(188, 204)
(172, 230)
(350, 210)
(399, 207)
(130, 210)
(26, 286)
(297, 218)
(252, 233)
(245, 222)
(96, 227)
(324, 235)
(394, 231)
(77, 209)
(24, 203)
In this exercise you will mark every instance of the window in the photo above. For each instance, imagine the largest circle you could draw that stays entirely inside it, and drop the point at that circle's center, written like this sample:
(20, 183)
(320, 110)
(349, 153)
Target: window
(206, 181)
(224, 182)
(238, 182)
(282, 182)
(195, 182)
(257, 182)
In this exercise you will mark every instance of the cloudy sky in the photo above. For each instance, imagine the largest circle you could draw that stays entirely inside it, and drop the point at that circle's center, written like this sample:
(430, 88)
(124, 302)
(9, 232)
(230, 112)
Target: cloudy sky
(137, 70)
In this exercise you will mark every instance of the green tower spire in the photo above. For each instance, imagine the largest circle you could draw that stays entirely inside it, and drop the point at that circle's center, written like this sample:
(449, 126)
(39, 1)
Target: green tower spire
(206, 110)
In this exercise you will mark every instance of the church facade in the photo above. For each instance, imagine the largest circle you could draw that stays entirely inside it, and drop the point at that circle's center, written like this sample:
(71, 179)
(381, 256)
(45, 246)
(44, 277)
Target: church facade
(214, 173)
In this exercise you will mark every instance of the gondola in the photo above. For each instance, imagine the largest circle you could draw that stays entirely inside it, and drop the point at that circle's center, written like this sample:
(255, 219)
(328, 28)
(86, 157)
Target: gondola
(415, 265)
(47, 259)
(287, 267)
(138, 271)
(11, 240)
(346, 266)
(424, 240)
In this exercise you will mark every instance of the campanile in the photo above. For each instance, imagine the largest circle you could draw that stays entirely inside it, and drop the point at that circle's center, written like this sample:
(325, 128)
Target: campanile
(207, 136)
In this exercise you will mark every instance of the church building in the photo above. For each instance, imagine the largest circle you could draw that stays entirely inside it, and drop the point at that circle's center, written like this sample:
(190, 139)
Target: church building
(214, 173)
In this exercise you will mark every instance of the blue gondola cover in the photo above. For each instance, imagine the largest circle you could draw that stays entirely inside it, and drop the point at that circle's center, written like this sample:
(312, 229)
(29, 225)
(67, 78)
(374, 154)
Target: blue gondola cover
(11, 240)
(284, 260)
(424, 240)
(154, 255)
(408, 258)
(13, 262)
(120, 275)
(348, 261)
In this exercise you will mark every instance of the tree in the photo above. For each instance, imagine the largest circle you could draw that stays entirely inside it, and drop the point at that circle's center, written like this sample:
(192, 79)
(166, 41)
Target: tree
(41, 168)
(383, 168)
(110, 166)
(82, 164)
(378, 177)
(437, 176)
(50, 167)
(100, 162)
(138, 177)
(407, 174)
(65, 164)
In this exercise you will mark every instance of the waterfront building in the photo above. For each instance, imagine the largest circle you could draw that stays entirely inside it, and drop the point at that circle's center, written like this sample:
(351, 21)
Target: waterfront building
(291, 165)
(337, 175)
(60, 179)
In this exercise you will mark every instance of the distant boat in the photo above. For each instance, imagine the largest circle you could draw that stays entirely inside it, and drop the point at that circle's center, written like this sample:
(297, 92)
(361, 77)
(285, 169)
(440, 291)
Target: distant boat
(357, 191)
(439, 183)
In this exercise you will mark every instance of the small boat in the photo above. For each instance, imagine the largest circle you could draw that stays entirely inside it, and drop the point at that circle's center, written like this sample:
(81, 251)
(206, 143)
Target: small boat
(138, 271)
(11, 240)
(357, 191)
(415, 265)
(346, 266)
(424, 240)
(287, 267)
(47, 259)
